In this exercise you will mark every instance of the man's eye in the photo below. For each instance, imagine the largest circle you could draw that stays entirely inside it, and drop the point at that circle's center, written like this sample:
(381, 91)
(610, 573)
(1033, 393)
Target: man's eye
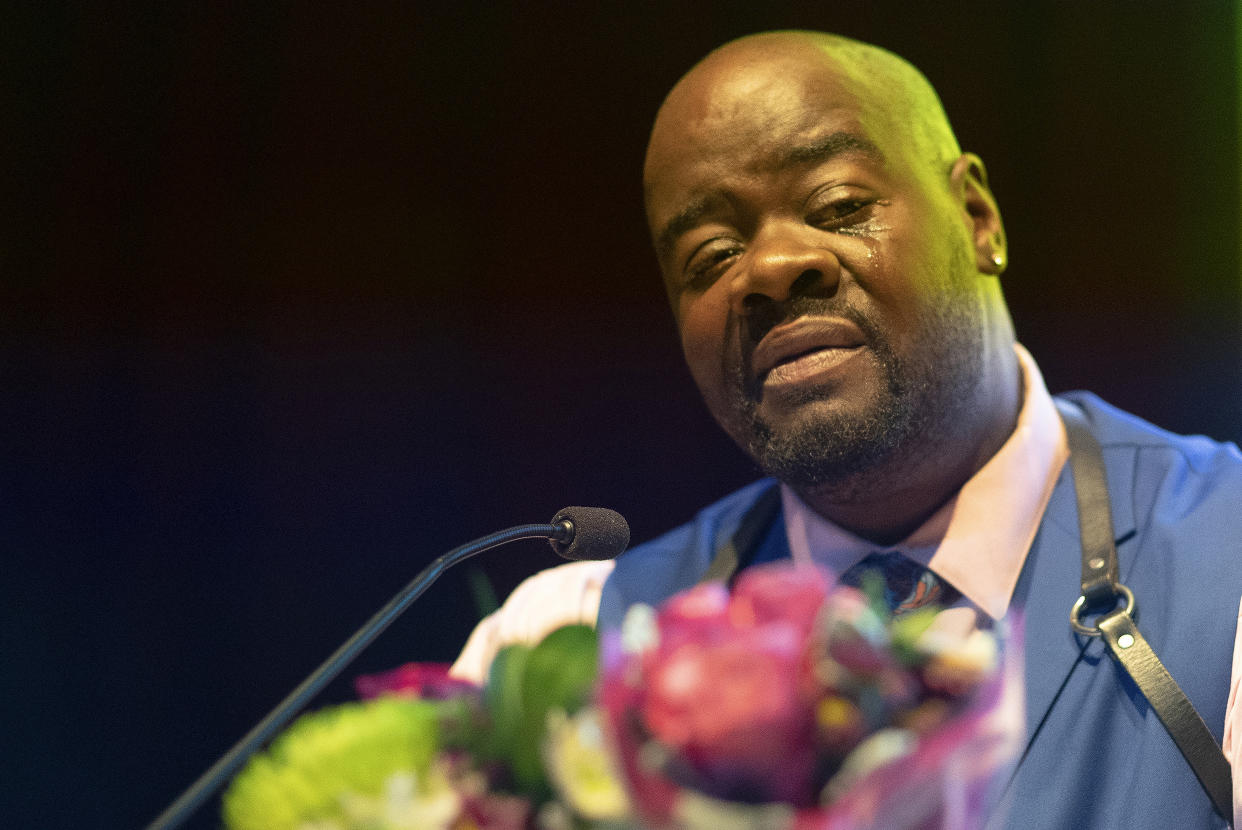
(709, 263)
(841, 213)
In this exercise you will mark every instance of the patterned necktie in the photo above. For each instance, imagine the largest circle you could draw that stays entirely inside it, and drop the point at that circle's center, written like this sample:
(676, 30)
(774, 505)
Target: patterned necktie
(907, 584)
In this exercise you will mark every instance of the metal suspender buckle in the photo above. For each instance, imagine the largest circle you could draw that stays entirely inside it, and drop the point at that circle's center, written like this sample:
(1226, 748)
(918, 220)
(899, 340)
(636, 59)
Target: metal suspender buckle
(1082, 606)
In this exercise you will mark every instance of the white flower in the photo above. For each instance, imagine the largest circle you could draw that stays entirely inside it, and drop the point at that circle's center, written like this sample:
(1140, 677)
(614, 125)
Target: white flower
(581, 767)
(639, 630)
(406, 804)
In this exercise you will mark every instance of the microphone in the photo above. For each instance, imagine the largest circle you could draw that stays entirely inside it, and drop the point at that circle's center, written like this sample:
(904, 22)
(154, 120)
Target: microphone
(580, 533)
(591, 533)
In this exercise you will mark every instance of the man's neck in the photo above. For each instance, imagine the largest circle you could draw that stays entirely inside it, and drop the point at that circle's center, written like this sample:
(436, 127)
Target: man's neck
(888, 503)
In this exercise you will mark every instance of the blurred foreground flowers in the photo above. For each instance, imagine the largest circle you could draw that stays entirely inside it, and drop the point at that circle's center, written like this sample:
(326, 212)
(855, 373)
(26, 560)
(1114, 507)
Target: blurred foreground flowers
(794, 704)
(786, 704)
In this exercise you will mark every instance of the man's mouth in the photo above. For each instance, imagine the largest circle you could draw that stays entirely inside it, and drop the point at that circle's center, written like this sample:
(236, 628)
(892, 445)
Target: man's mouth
(804, 351)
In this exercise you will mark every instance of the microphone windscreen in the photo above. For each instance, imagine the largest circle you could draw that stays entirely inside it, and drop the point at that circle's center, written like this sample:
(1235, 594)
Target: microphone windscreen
(598, 533)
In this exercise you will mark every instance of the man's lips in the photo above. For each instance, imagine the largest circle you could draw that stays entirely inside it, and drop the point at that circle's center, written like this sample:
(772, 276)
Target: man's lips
(803, 349)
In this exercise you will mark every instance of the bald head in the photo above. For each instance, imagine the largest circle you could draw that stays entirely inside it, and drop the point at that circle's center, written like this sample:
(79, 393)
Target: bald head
(744, 72)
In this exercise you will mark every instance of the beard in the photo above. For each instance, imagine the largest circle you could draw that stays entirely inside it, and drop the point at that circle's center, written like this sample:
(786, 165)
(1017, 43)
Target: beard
(912, 412)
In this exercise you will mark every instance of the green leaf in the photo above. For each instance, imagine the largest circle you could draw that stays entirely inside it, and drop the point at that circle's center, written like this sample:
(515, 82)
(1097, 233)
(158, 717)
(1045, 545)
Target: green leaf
(503, 699)
(559, 674)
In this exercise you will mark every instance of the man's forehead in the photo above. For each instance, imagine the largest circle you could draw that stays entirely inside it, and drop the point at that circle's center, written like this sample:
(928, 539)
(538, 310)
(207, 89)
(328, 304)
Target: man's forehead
(753, 99)
(779, 144)
(761, 108)
(779, 86)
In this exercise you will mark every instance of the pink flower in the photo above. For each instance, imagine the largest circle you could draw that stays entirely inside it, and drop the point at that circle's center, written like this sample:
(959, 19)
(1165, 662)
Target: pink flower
(493, 811)
(721, 692)
(429, 681)
(771, 593)
(700, 614)
(732, 711)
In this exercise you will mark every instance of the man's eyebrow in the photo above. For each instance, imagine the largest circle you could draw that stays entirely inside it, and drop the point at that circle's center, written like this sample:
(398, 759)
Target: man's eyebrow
(834, 144)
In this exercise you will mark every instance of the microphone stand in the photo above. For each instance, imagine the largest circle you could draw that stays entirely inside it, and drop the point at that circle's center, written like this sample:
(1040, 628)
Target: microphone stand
(278, 718)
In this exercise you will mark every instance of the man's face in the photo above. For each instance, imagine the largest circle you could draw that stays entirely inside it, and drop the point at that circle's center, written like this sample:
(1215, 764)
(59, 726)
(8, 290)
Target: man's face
(820, 270)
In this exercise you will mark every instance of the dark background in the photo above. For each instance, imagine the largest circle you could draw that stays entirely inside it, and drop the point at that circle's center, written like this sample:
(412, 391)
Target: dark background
(295, 297)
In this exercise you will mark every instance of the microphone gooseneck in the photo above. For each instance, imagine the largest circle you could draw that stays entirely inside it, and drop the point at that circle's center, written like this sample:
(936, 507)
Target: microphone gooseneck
(575, 533)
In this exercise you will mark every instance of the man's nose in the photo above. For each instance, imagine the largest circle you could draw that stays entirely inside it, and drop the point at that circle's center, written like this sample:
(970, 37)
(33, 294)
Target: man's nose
(783, 262)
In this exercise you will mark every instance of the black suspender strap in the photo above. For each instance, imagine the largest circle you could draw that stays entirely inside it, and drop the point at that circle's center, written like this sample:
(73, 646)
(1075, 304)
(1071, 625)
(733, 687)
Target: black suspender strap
(1103, 594)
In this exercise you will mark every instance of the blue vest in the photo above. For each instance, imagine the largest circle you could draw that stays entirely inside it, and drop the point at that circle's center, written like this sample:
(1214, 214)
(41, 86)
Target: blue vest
(1096, 756)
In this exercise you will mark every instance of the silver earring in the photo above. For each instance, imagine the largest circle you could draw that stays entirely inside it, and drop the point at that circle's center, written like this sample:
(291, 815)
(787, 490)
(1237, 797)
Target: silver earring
(998, 259)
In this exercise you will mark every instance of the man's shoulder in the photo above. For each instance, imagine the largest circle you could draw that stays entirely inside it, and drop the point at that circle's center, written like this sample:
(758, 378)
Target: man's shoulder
(1116, 428)
(708, 526)
(1175, 488)
(703, 548)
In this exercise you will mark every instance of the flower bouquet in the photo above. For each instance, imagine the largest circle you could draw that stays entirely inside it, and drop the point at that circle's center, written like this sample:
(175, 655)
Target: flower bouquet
(789, 704)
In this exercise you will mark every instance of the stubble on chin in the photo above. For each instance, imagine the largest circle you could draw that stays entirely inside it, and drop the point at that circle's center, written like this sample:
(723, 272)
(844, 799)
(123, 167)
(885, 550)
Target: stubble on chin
(832, 454)
(847, 456)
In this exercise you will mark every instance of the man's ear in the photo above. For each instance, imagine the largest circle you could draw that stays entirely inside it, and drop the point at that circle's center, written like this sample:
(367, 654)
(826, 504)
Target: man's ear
(969, 183)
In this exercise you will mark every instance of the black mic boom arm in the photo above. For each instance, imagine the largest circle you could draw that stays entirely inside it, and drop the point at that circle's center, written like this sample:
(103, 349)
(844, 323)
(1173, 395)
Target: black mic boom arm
(560, 532)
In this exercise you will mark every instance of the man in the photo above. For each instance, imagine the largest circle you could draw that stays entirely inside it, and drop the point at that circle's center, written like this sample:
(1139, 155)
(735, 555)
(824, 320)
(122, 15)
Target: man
(833, 262)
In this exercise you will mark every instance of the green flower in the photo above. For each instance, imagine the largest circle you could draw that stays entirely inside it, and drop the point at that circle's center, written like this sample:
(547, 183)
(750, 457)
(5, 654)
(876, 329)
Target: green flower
(330, 762)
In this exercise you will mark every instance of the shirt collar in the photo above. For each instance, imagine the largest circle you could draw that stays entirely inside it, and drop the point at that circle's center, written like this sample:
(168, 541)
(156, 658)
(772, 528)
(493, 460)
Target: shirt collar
(979, 539)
